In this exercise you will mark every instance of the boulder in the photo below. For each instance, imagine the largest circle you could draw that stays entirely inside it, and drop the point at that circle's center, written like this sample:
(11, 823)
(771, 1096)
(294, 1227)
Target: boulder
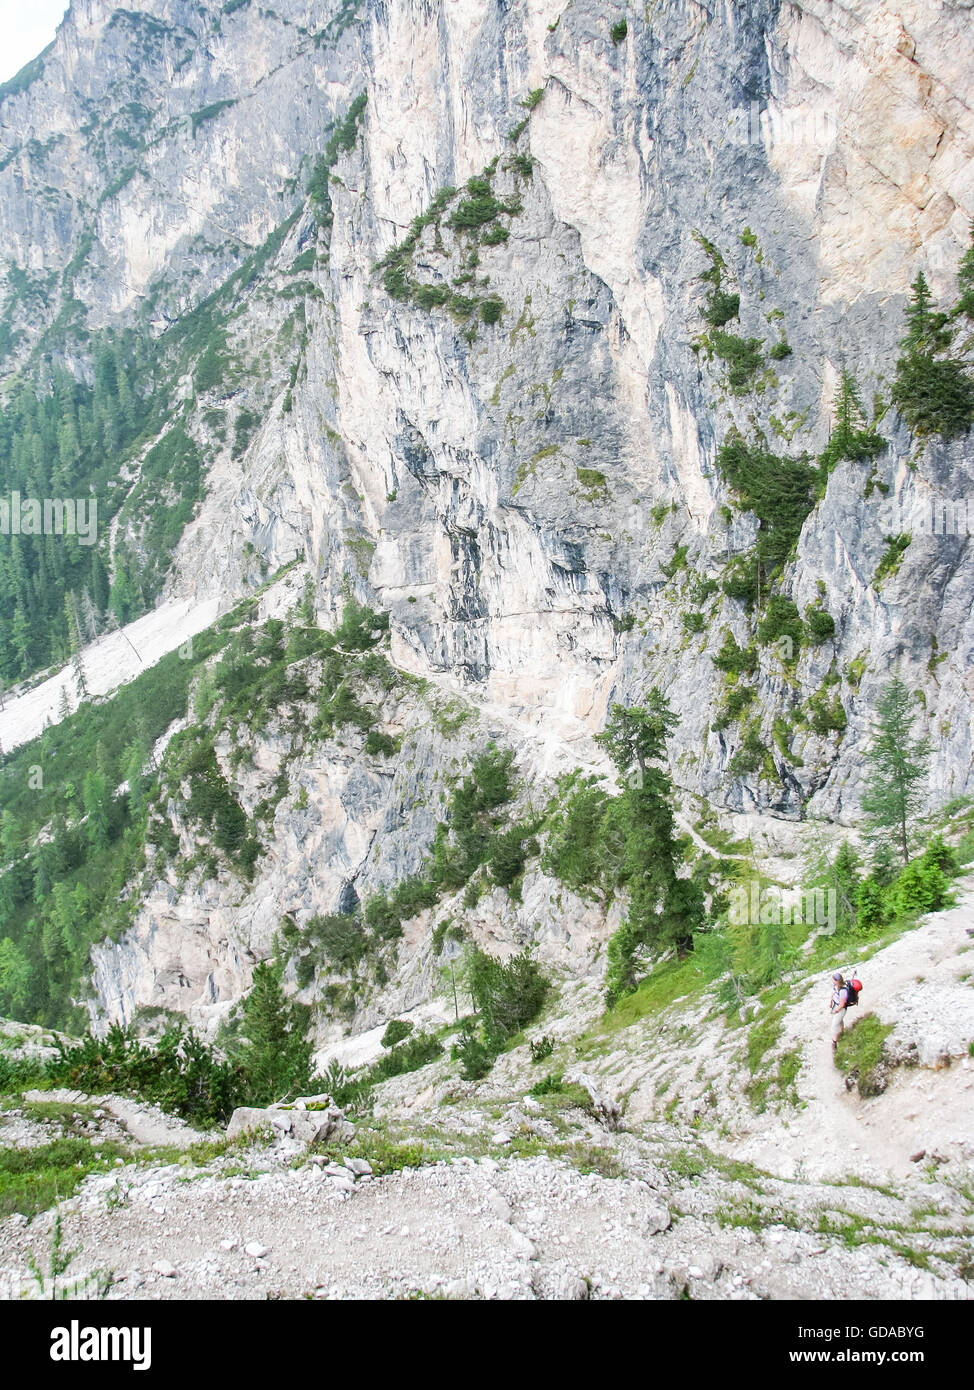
(248, 1120)
(606, 1109)
(305, 1125)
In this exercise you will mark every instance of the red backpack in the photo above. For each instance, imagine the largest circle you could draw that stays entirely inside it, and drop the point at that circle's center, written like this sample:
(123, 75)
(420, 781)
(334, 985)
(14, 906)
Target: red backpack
(852, 987)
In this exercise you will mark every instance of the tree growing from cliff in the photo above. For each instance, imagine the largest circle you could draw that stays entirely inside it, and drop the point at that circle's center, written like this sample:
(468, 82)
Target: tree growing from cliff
(965, 283)
(850, 438)
(898, 764)
(278, 1061)
(664, 909)
(933, 391)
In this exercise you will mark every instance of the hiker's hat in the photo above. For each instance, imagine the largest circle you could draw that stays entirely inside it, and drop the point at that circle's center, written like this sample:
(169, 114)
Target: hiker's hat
(836, 974)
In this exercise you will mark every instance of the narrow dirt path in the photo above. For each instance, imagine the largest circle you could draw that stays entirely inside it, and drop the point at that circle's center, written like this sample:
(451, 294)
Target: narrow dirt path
(146, 1124)
(834, 1132)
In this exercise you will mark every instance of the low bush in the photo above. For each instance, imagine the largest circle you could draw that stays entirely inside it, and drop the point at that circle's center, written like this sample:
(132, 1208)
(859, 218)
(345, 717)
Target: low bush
(180, 1073)
(396, 1031)
(820, 624)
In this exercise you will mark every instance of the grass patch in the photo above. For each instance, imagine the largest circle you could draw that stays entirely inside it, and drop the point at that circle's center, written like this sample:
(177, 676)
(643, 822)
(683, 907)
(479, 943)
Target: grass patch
(861, 1054)
(761, 1039)
(665, 983)
(31, 1180)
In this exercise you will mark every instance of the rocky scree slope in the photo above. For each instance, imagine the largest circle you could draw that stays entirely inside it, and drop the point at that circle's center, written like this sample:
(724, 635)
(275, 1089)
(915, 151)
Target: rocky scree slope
(505, 1189)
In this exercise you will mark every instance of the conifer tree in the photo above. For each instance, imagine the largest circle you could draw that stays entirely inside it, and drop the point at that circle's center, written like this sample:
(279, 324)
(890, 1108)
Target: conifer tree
(95, 796)
(664, 909)
(965, 282)
(898, 765)
(851, 438)
(278, 1061)
(933, 392)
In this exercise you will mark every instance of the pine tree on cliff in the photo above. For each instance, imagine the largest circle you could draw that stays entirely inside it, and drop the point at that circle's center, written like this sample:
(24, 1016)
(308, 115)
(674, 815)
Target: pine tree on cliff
(851, 438)
(278, 1061)
(898, 765)
(933, 392)
(965, 282)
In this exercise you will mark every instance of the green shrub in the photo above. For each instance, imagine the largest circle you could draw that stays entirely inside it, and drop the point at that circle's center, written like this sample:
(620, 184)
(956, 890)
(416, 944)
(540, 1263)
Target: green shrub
(396, 1030)
(431, 296)
(380, 745)
(721, 307)
(277, 1059)
(574, 853)
(462, 305)
(892, 557)
(340, 936)
(921, 887)
(341, 141)
(820, 624)
(474, 1056)
(399, 1060)
(742, 356)
(740, 581)
(475, 212)
(506, 997)
(548, 1085)
(180, 1073)
(619, 31)
(734, 706)
(540, 1048)
(872, 912)
(751, 755)
(827, 715)
(776, 488)
(360, 629)
(676, 562)
(491, 310)
(933, 391)
(781, 619)
(850, 439)
(593, 482)
(508, 853)
(735, 659)
(407, 1056)
(19, 1073)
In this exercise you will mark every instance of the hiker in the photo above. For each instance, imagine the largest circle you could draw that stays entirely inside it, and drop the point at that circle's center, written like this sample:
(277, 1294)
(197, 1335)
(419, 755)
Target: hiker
(840, 997)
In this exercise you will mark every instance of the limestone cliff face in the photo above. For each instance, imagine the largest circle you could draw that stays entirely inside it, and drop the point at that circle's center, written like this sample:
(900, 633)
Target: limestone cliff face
(508, 484)
(534, 500)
